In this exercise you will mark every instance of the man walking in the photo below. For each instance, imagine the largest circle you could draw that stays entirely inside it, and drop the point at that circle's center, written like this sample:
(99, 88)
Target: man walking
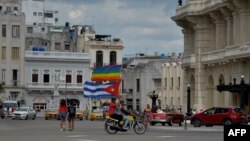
(71, 115)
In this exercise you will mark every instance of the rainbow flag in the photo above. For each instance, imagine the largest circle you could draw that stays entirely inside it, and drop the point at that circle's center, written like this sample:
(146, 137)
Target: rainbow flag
(107, 73)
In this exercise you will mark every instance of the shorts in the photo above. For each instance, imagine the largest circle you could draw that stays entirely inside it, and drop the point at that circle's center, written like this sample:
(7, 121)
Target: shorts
(71, 117)
(63, 115)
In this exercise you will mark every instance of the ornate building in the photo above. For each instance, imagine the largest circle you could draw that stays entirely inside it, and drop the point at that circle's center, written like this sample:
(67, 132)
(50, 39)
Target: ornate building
(216, 47)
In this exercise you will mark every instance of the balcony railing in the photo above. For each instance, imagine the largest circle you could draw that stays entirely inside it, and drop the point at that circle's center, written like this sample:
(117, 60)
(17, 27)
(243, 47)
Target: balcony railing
(56, 55)
(188, 59)
(230, 52)
(51, 86)
(195, 6)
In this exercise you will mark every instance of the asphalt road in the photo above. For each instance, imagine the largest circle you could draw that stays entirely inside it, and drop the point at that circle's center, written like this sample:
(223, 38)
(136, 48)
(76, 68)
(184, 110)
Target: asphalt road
(49, 130)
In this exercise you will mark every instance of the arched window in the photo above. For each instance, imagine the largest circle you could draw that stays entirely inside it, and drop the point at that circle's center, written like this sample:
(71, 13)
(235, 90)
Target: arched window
(112, 58)
(99, 59)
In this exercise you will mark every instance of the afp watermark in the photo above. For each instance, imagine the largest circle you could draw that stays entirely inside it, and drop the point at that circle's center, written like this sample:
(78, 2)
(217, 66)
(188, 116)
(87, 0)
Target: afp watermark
(236, 132)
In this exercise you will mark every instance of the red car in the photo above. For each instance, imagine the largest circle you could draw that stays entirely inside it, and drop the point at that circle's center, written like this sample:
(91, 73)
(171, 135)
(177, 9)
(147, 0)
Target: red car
(167, 118)
(219, 116)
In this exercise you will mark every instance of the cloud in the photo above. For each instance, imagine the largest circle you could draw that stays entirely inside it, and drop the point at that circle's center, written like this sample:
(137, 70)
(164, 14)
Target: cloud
(143, 26)
(74, 14)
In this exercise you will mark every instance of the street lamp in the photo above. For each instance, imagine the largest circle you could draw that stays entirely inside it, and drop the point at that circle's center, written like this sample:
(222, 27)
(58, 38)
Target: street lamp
(188, 101)
(180, 2)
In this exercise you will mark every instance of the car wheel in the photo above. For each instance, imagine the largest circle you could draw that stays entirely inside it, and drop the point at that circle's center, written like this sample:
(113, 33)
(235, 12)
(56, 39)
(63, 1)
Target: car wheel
(180, 124)
(152, 123)
(170, 123)
(197, 122)
(163, 124)
(227, 122)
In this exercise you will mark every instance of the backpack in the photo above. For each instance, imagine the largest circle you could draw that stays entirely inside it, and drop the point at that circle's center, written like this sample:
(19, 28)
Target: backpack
(71, 110)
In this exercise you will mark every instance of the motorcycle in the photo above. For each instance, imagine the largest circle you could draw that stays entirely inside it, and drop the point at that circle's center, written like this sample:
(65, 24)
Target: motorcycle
(112, 126)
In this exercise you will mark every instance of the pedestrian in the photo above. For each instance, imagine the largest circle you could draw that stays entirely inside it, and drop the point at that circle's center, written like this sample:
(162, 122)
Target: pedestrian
(62, 113)
(71, 115)
(148, 112)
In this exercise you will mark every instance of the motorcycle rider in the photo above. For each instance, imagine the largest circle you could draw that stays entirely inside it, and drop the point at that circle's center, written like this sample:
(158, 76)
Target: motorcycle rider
(125, 113)
(114, 110)
(119, 113)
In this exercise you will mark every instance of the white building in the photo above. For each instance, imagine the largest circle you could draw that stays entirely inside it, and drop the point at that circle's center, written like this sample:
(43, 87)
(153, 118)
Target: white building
(216, 40)
(172, 85)
(12, 46)
(36, 14)
(54, 75)
(141, 76)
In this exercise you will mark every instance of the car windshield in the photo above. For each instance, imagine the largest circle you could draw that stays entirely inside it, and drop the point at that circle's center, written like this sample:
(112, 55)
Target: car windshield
(238, 110)
(22, 109)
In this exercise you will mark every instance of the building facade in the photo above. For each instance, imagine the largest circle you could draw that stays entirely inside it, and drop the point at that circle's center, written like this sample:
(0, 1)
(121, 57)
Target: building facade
(172, 85)
(141, 76)
(51, 76)
(12, 47)
(216, 47)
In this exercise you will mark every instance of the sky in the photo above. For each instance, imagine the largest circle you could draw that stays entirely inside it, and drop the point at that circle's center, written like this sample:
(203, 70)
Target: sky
(145, 26)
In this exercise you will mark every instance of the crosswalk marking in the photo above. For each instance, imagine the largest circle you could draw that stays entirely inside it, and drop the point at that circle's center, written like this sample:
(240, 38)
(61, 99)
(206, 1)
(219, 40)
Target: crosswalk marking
(165, 136)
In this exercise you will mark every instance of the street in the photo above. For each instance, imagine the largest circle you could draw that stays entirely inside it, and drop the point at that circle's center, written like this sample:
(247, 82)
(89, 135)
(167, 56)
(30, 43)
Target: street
(48, 130)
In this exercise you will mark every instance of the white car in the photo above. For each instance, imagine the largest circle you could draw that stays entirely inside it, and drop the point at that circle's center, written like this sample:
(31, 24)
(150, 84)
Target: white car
(24, 113)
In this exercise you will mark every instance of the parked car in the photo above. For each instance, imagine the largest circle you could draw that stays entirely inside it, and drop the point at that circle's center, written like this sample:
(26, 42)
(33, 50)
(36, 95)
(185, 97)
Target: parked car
(79, 114)
(96, 114)
(169, 118)
(219, 116)
(24, 113)
(52, 113)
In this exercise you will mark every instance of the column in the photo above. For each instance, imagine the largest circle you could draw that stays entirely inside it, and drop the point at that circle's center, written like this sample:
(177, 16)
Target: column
(202, 40)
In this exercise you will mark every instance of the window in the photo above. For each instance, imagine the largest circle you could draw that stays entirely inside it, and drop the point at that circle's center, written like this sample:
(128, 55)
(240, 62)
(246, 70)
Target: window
(112, 58)
(40, 14)
(172, 81)
(68, 78)
(166, 81)
(3, 54)
(8, 9)
(16, 8)
(79, 77)
(14, 75)
(34, 14)
(179, 81)
(4, 27)
(43, 29)
(138, 85)
(34, 76)
(29, 29)
(15, 31)
(3, 74)
(46, 76)
(1, 8)
(57, 46)
(34, 23)
(99, 59)
(15, 53)
(66, 46)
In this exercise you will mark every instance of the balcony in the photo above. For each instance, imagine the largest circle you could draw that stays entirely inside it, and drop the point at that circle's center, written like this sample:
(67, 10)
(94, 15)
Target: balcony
(108, 44)
(197, 6)
(67, 56)
(50, 87)
(188, 60)
(229, 52)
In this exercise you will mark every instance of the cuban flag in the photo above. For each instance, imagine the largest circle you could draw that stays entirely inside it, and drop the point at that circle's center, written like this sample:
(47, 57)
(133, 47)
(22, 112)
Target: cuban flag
(101, 90)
